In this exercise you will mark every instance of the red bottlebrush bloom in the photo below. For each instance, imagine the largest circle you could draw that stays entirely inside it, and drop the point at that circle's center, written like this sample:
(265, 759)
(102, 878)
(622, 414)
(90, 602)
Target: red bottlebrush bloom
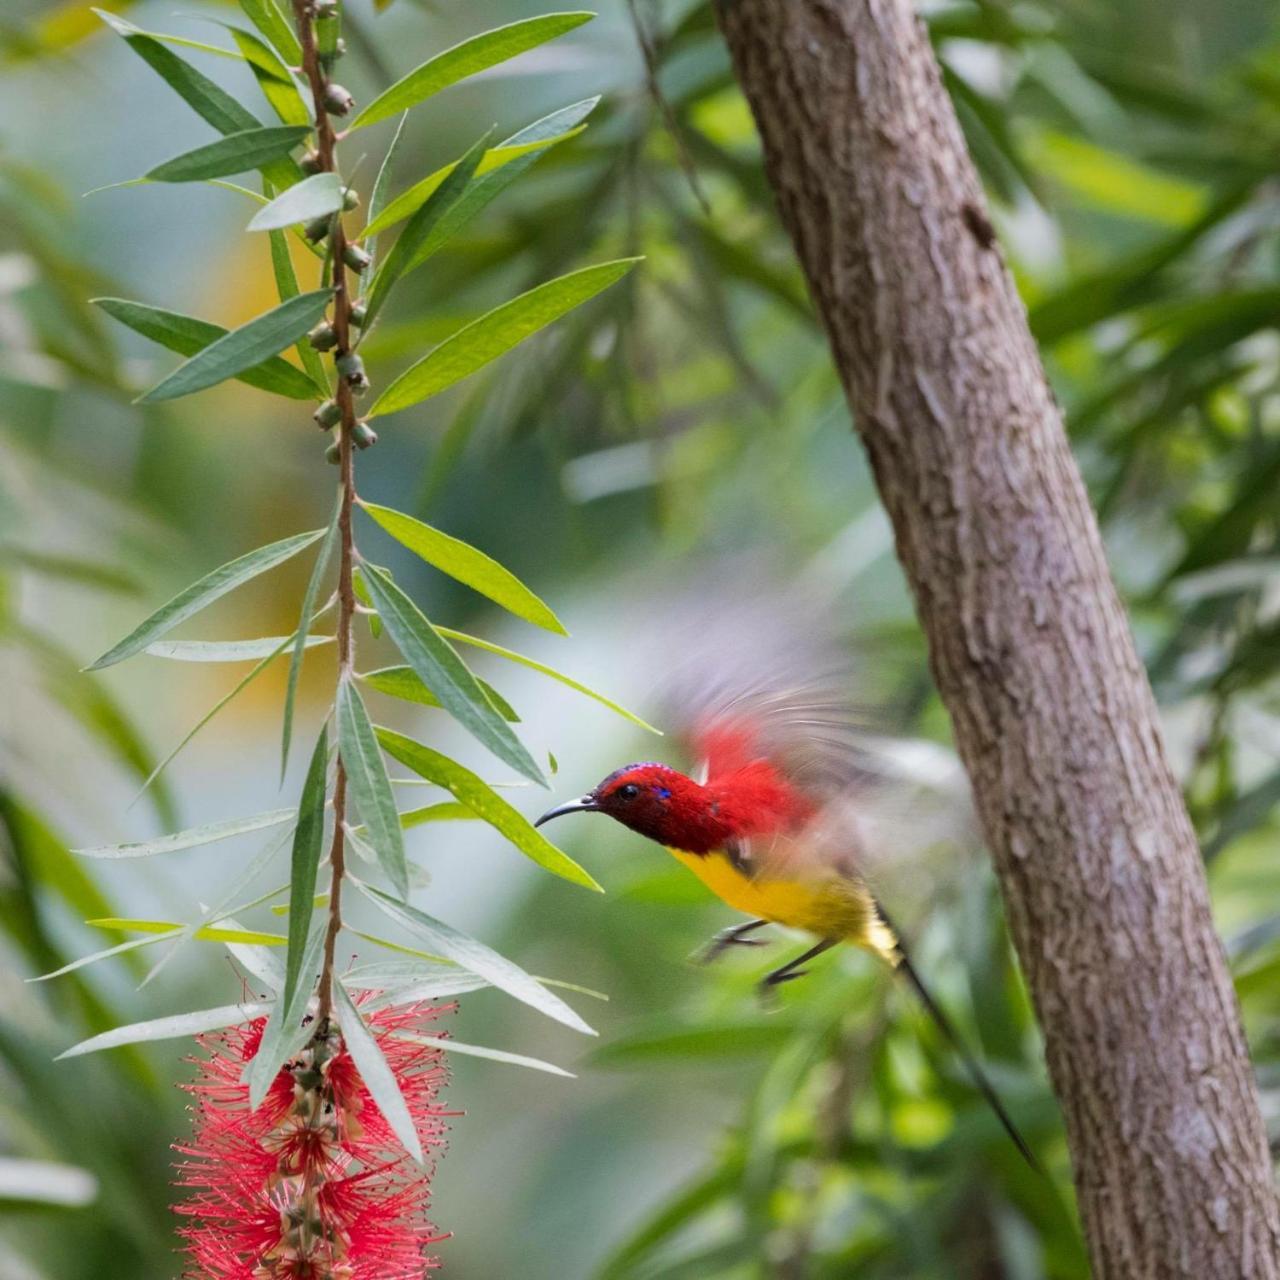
(313, 1185)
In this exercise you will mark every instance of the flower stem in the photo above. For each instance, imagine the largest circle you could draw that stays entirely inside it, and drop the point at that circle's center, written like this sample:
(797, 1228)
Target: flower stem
(326, 148)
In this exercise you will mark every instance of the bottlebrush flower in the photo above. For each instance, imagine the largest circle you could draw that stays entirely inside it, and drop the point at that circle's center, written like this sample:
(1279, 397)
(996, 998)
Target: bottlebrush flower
(313, 1185)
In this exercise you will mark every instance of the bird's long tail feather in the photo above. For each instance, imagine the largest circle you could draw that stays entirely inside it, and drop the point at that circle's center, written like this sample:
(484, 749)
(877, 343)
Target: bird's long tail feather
(971, 1063)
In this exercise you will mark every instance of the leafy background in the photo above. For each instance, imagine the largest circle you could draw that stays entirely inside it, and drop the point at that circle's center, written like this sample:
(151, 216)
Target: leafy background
(689, 413)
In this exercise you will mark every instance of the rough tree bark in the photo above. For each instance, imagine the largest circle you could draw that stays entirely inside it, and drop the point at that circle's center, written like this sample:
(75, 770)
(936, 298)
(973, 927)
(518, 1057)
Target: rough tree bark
(1100, 869)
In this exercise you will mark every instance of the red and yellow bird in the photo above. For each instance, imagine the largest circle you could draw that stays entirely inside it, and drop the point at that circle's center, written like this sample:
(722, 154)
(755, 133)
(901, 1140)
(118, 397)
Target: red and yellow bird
(772, 826)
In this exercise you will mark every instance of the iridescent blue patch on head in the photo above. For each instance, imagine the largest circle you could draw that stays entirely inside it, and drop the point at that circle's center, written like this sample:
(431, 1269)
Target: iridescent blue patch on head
(664, 793)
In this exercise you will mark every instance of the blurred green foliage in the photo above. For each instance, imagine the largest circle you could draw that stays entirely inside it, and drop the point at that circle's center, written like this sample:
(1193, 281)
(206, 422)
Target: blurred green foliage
(1128, 151)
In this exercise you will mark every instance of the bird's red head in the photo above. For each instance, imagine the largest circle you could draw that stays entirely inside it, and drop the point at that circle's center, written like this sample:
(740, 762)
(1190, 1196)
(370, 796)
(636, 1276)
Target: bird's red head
(665, 805)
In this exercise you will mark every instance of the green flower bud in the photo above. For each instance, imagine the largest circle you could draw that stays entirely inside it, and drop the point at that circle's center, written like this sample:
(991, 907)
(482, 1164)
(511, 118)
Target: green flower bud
(337, 100)
(351, 369)
(328, 415)
(324, 337)
(358, 314)
(333, 453)
(356, 258)
(350, 198)
(363, 435)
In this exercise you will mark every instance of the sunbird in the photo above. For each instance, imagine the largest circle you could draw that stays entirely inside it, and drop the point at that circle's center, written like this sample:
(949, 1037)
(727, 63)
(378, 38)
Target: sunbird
(771, 826)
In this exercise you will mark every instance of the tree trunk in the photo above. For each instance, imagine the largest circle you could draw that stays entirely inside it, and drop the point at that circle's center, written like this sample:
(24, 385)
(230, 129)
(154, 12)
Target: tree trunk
(1054, 718)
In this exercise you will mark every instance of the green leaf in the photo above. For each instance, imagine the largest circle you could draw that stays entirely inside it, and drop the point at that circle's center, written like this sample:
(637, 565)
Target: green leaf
(466, 59)
(234, 153)
(476, 958)
(389, 976)
(308, 608)
(227, 650)
(213, 586)
(445, 811)
(267, 17)
(89, 573)
(485, 803)
(209, 833)
(178, 1026)
(188, 336)
(419, 227)
(286, 288)
(367, 775)
(378, 196)
(467, 565)
(445, 674)
(496, 169)
(534, 665)
(480, 1051)
(313, 197)
(106, 953)
(406, 684)
(495, 333)
(308, 838)
(277, 84)
(285, 1032)
(242, 348)
(378, 1077)
(207, 933)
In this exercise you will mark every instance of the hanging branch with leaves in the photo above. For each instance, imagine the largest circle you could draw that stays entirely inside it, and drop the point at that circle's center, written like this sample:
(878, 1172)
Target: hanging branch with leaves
(285, 1180)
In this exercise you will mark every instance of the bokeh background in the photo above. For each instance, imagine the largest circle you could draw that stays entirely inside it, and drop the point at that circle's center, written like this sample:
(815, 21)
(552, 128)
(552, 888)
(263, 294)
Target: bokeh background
(688, 415)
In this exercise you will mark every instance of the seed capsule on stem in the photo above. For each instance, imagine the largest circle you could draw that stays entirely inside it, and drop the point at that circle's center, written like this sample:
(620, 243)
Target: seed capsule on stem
(356, 258)
(337, 100)
(324, 337)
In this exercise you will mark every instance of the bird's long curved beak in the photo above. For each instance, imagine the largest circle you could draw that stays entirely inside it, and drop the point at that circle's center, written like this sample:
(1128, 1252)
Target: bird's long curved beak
(585, 805)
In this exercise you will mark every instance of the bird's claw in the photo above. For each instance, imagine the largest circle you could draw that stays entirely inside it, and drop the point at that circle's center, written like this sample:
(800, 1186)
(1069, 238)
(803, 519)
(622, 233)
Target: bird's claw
(722, 942)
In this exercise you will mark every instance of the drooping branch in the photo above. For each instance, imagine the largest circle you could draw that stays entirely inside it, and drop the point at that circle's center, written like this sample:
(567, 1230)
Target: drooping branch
(1030, 648)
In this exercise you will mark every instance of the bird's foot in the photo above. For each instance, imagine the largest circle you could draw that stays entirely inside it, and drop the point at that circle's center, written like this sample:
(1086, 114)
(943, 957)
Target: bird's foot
(726, 938)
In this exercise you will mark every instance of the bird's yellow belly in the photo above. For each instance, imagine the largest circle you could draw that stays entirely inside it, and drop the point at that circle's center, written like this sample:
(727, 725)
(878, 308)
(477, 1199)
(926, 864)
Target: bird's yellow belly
(831, 907)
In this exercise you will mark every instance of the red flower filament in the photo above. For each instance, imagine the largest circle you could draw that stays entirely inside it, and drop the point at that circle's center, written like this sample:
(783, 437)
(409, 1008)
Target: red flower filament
(313, 1185)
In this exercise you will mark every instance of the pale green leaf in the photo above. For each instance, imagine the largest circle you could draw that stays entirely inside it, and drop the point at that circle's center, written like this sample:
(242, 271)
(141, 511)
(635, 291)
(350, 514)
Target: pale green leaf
(466, 59)
(205, 932)
(475, 957)
(534, 665)
(268, 18)
(495, 333)
(234, 153)
(106, 953)
(210, 833)
(308, 839)
(285, 1032)
(178, 1026)
(467, 564)
(370, 787)
(445, 674)
(213, 586)
(378, 196)
(274, 79)
(252, 343)
(378, 1077)
(313, 197)
(287, 287)
(480, 1051)
(485, 803)
(226, 650)
(405, 683)
(188, 336)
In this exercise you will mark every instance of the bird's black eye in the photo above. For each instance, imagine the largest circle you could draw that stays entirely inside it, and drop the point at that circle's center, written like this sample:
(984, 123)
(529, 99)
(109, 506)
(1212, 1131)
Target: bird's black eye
(629, 791)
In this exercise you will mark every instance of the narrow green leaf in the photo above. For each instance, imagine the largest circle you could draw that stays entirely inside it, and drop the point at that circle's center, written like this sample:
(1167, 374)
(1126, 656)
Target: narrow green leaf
(534, 665)
(313, 197)
(480, 1051)
(213, 586)
(378, 196)
(267, 17)
(285, 1032)
(370, 787)
(419, 227)
(286, 288)
(445, 674)
(188, 336)
(524, 146)
(378, 1077)
(178, 1026)
(465, 563)
(227, 650)
(260, 962)
(206, 933)
(277, 84)
(210, 833)
(119, 949)
(308, 838)
(495, 333)
(475, 957)
(445, 811)
(485, 803)
(395, 975)
(466, 59)
(309, 599)
(406, 684)
(234, 153)
(265, 335)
